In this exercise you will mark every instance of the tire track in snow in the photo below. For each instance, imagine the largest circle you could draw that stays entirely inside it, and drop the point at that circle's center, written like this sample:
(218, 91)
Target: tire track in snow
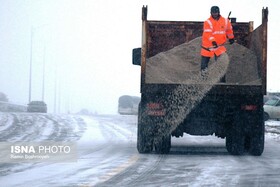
(132, 171)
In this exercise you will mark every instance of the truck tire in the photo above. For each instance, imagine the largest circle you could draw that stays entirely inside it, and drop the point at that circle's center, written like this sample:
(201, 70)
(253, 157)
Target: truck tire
(235, 140)
(235, 144)
(229, 143)
(144, 140)
(144, 135)
(163, 144)
(257, 140)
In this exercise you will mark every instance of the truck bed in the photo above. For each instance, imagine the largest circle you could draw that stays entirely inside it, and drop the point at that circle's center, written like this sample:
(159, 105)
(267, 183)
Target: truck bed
(166, 36)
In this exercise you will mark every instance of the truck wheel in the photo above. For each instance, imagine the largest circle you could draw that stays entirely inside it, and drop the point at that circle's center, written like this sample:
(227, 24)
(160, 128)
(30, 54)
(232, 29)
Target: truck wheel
(144, 140)
(144, 135)
(235, 140)
(163, 144)
(235, 144)
(229, 143)
(257, 141)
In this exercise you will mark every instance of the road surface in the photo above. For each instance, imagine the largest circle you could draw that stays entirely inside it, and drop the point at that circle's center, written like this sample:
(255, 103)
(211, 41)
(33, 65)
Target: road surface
(107, 155)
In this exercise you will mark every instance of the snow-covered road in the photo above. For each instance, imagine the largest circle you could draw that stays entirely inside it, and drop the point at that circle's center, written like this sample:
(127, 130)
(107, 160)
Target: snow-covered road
(107, 155)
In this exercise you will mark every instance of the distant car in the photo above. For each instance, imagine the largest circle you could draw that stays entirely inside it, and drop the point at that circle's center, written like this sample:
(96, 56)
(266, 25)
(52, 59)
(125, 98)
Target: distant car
(128, 105)
(272, 108)
(37, 106)
(266, 98)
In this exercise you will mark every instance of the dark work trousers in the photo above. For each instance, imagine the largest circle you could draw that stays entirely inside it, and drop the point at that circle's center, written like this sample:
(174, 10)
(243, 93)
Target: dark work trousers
(204, 65)
(204, 62)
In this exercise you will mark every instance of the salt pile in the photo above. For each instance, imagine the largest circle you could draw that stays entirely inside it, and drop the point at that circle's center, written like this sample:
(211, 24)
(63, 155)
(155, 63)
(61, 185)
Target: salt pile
(180, 64)
(243, 67)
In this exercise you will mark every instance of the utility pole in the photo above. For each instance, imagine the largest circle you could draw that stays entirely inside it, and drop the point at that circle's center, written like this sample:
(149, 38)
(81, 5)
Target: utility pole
(55, 88)
(31, 61)
(43, 84)
(30, 65)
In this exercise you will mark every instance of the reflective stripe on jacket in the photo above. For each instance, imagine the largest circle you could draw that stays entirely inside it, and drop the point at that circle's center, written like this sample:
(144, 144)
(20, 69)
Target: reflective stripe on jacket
(215, 30)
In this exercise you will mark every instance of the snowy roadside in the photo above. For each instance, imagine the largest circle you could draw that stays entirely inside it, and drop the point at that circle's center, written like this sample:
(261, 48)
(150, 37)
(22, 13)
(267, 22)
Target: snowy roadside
(40, 127)
(5, 121)
(272, 129)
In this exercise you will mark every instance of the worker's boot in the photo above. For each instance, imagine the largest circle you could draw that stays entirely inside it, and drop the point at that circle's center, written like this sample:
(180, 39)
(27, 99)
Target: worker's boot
(204, 74)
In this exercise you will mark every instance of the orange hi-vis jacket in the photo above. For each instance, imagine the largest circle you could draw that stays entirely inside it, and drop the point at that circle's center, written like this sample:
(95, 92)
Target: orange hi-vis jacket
(215, 30)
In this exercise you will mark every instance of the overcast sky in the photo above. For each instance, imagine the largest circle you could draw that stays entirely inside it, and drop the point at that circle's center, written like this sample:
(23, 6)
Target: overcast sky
(86, 46)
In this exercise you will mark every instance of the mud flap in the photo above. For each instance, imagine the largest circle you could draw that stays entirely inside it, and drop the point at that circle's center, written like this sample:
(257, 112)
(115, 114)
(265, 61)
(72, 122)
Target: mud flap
(235, 140)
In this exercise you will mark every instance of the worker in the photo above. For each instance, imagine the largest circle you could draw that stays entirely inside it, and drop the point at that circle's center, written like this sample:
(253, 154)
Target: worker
(216, 31)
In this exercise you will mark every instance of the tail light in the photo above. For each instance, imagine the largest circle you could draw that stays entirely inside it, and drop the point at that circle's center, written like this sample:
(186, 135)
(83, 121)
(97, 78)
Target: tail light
(249, 107)
(155, 109)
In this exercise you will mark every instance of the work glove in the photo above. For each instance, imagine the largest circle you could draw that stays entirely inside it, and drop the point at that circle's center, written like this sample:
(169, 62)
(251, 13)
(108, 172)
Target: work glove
(214, 43)
(231, 41)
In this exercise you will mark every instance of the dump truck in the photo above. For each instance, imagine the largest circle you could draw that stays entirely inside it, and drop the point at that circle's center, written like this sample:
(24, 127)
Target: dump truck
(173, 103)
